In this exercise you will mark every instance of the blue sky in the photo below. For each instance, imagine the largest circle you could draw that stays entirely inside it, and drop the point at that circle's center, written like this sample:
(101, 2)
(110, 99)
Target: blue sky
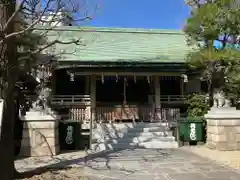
(160, 14)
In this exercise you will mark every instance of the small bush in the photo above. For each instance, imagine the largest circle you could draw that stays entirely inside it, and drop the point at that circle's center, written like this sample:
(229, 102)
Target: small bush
(197, 105)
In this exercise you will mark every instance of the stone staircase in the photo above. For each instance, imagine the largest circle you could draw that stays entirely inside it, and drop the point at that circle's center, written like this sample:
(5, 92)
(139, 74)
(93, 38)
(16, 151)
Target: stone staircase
(130, 135)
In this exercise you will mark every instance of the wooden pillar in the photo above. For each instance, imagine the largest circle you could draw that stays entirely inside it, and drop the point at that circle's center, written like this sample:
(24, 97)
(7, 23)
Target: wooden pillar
(93, 97)
(124, 91)
(93, 107)
(181, 86)
(53, 82)
(157, 98)
(87, 85)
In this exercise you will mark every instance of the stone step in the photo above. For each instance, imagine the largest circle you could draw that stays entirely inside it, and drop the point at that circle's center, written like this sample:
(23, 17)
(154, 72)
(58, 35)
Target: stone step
(133, 134)
(147, 129)
(128, 128)
(156, 124)
(129, 135)
(140, 139)
(160, 144)
(129, 125)
(146, 145)
(151, 134)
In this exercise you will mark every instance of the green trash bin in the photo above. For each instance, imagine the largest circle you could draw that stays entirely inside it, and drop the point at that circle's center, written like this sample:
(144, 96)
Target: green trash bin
(192, 129)
(69, 135)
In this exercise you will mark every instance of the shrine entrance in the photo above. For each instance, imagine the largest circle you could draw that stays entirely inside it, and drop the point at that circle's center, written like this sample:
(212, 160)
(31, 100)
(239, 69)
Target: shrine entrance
(110, 97)
(123, 98)
(123, 90)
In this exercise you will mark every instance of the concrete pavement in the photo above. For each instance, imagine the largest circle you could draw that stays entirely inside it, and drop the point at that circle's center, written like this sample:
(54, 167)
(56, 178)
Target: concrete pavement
(137, 164)
(175, 164)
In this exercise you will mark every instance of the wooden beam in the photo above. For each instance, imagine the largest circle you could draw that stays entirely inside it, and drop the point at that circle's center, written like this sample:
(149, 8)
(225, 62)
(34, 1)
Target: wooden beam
(129, 73)
(157, 98)
(124, 91)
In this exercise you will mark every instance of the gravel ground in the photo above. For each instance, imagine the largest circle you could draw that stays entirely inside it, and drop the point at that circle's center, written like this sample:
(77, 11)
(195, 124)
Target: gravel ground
(229, 158)
(192, 162)
(67, 174)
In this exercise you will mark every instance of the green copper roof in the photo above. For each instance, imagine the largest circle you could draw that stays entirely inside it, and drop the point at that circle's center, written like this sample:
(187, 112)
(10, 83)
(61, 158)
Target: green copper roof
(118, 44)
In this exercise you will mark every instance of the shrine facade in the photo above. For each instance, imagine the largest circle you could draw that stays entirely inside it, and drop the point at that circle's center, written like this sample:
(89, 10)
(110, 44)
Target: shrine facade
(120, 75)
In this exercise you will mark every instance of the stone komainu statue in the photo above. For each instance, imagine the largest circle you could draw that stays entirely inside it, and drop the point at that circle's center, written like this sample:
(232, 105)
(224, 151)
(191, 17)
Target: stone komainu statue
(219, 99)
(42, 101)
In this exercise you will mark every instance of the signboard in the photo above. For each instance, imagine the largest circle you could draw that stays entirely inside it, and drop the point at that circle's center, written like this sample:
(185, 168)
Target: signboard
(193, 134)
(1, 114)
(69, 137)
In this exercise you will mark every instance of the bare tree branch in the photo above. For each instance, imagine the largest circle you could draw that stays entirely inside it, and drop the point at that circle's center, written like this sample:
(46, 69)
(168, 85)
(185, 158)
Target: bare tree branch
(30, 26)
(18, 9)
(77, 42)
(20, 50)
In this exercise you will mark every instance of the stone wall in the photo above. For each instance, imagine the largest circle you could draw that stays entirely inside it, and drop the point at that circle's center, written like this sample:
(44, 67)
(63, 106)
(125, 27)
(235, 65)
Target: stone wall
(223, 134)
(40, 138)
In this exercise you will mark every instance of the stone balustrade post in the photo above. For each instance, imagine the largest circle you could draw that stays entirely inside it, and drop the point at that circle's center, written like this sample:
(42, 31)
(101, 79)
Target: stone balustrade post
(223, 129)
(40, 135)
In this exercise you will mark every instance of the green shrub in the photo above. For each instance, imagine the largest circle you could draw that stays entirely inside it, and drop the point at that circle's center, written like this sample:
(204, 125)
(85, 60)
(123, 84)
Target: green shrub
(197, 105)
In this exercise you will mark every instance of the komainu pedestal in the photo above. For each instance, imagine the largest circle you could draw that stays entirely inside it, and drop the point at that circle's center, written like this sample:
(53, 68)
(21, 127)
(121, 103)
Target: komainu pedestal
(223, 128)
(40, 135)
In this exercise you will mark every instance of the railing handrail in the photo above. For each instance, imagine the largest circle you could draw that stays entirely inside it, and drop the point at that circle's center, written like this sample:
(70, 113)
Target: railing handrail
(83, 99)
(173, 95)
(67, 96)
(89, 96)
(70, 99)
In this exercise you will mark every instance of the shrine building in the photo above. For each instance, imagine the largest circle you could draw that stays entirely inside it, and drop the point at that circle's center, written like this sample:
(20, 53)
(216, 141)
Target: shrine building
(117, 74)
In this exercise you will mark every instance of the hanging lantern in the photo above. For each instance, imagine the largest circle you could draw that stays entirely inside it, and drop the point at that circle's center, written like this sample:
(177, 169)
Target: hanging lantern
(72, 77)
(102, 78)
(116, 77)
(125, 81)
(148, 79)
(49, 71)
(134, 77)
(185, 78)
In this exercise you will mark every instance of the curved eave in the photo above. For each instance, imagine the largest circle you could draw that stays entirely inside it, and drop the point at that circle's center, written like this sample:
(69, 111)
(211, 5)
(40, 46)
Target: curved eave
(124, 66)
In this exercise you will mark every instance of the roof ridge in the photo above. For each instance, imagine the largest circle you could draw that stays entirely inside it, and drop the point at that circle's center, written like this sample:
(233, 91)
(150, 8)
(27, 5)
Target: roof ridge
(118, 30)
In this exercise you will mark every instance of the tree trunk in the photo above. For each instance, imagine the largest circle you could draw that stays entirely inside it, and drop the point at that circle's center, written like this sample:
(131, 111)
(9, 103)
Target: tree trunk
(9, 67)
(7, 138)
(211, 95)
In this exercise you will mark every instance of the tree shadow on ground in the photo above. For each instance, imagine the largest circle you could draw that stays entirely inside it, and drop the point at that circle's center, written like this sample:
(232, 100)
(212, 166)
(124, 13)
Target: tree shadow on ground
(103, 157)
